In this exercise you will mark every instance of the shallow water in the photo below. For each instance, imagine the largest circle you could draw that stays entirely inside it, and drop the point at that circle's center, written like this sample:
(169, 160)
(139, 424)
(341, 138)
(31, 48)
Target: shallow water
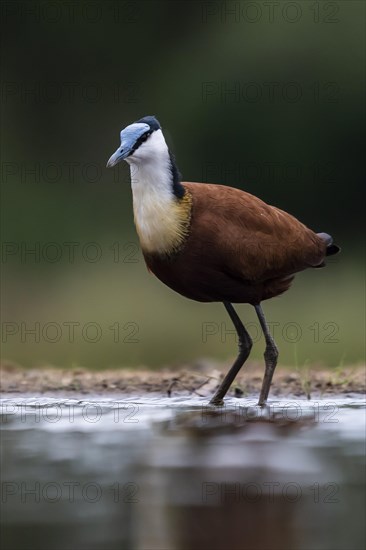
(153, 473)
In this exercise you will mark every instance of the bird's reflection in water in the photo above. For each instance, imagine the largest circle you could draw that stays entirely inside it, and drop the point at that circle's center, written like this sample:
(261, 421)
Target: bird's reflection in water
(239, 480)
(185, 477)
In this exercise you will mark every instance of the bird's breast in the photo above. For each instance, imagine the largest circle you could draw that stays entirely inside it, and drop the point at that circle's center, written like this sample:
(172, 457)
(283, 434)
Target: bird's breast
(162, 223)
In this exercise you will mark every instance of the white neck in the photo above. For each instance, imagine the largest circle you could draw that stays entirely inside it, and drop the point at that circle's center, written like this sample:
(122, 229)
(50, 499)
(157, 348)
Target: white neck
(154, 202)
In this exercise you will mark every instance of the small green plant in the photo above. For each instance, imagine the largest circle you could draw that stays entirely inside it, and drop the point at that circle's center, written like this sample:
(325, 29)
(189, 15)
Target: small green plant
(339, 376)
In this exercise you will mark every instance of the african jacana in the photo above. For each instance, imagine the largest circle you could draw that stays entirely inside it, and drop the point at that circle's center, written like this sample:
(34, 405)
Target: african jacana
(214, 243)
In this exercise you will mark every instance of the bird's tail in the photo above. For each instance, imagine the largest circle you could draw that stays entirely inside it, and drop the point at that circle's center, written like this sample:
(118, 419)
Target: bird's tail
(331, 248)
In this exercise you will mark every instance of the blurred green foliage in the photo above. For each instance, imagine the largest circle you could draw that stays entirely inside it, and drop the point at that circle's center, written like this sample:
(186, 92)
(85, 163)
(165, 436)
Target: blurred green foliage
(264, 98)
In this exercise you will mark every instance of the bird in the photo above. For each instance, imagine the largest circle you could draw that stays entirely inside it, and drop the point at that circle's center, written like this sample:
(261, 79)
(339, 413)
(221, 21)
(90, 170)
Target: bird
(214, 243)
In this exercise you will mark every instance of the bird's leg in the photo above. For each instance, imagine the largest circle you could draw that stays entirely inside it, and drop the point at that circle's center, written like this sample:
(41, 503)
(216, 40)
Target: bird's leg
(245, 345)
(270, 357)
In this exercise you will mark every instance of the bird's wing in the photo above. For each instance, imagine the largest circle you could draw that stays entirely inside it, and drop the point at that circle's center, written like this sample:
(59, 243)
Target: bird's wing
(249, 238)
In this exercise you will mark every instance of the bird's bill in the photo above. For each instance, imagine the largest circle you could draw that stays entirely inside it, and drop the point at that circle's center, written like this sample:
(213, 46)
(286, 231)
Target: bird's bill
(117, 157)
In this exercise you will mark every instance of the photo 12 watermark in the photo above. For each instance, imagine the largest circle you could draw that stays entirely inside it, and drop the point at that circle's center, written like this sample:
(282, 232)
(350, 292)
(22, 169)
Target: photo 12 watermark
(269, 491)
(37, 412)
(247, 410)
(69, 252)
(291, 92)
(230, 12)
(123, 12)
(272, 172)
(67, 171)
(69, 332)
(327, 332)
(70, 92)
(71, 492)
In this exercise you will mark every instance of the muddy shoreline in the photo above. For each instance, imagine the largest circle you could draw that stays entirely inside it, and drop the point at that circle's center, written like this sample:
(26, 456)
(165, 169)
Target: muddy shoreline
(199, 379)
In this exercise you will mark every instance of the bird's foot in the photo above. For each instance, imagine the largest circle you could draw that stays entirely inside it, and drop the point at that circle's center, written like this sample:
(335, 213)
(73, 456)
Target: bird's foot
(217, 402)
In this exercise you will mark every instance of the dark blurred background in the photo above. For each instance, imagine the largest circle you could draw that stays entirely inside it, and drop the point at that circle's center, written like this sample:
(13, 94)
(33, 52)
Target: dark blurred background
(265, 96)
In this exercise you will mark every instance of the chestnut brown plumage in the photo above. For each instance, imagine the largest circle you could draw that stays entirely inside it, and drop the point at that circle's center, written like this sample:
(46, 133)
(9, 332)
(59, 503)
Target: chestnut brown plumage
(239, 249)
(215, 243)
